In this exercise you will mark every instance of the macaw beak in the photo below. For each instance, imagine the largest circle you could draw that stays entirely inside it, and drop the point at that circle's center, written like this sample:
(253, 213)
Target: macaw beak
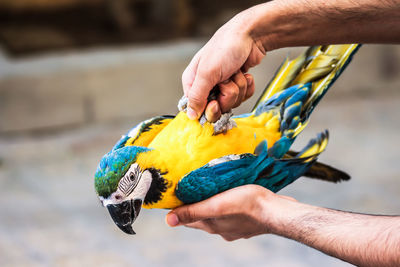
(125, 213)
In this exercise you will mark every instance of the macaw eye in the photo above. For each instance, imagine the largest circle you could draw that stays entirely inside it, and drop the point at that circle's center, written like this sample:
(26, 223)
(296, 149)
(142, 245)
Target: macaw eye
(129, 182)
(118, 197)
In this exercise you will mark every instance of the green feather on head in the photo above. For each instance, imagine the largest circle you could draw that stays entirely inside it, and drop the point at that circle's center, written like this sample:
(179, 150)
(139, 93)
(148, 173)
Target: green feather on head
(113, 166)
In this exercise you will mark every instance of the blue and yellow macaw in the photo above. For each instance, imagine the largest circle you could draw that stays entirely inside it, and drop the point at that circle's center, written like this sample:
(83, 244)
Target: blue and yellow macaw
(168, 161)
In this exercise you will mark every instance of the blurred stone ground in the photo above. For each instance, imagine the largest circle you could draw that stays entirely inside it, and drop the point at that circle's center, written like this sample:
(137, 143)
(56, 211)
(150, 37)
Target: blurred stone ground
(60, 113)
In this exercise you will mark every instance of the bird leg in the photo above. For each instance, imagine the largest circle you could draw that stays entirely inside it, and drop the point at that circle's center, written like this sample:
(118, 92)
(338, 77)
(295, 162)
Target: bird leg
(182, 104)
(224, 124)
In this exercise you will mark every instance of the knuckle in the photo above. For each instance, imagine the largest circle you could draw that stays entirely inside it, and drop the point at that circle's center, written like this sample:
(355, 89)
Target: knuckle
(210, 73)
(237, 103)
(223, 207)
(186, 81)
(210, 226)
(228, 238)
(187, 216)
(216, 209)
(212, 231)
(232, 91)
(195, 100)
(241, 81)
(194, 97)
(191, 215)
(185, 74)
(249, 92)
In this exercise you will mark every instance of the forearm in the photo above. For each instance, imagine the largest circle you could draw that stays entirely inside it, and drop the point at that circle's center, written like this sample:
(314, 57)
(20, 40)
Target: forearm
(284, 23)
(360, 239)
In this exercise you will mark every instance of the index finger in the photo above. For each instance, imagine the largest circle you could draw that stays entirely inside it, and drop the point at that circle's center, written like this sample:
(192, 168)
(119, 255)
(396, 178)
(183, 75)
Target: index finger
(189, 73)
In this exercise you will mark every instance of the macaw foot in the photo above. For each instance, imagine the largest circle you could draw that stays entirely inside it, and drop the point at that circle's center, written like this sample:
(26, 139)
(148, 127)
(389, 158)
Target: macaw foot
(224, 124)
(182, 104)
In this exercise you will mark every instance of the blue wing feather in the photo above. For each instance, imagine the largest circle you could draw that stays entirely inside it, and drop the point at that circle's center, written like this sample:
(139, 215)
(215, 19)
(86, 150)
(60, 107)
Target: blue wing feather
(263, 169)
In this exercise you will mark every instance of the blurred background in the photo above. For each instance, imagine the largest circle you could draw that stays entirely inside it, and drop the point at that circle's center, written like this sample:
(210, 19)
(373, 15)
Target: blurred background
(75, 75)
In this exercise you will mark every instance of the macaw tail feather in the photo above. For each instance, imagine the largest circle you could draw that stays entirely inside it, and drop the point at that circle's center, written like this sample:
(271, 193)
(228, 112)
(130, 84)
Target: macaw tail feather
(322, 171)
(327, 173)
(315, 147)
(300, 84)
(287, 170)
(318, 65)
(292, 95)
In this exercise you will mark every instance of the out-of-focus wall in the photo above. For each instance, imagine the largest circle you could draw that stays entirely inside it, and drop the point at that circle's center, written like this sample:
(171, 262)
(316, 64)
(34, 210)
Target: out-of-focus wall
(100, 72)
(78, 88)
(74, 82)
(37, 26)
(43, 4)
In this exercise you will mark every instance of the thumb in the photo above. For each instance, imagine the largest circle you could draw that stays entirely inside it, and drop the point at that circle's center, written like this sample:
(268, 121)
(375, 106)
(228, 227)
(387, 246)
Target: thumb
(189, 214)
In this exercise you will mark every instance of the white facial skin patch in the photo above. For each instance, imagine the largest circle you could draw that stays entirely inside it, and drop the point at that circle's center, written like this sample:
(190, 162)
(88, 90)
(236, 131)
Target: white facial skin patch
(136, 188)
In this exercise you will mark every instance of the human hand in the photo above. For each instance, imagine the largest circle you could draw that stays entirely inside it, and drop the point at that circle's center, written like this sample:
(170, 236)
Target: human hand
(232, 93)
(222, 61)
(241, 212)
(246, 211)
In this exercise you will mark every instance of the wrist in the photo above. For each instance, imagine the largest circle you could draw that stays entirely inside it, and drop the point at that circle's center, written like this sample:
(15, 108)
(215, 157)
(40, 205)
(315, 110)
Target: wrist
(267, 25)
(288, 23)
(278, 24)
(269, 208)
(279, 212)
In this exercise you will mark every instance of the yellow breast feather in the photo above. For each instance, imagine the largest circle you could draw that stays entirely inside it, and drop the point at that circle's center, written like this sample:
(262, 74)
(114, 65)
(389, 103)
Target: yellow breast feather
(184, 145)
(146, 131)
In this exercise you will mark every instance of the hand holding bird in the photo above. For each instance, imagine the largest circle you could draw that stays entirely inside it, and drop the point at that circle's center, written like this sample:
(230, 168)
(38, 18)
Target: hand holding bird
(168, 161)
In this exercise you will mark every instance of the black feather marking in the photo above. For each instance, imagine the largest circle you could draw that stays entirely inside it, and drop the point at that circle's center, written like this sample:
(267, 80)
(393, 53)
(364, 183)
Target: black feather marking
(326, 173)
(158, 121)
(267, 171)
(148, 126)
(279, 183)
(291, 154)
(322, 171)
(158, 186)
(246, 155)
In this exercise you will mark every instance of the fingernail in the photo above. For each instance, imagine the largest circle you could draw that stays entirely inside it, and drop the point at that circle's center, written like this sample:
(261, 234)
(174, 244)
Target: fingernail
(191, 113)
(215, 107)
(249, 81)
(172, 219)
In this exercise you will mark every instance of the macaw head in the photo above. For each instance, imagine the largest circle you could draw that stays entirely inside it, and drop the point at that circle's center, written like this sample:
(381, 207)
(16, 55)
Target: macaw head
(122, 185)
